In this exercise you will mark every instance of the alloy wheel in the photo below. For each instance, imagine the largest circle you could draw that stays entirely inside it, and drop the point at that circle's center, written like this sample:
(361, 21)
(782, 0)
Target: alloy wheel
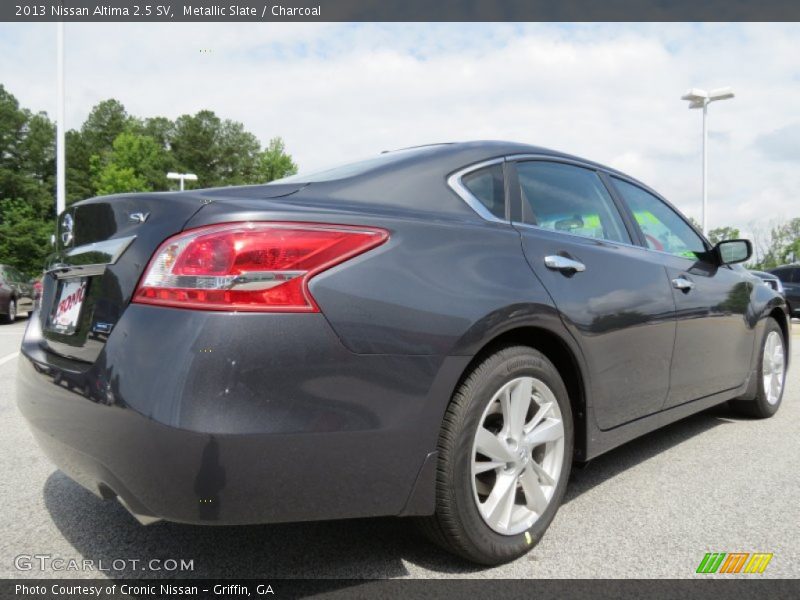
(773, 365)
(517, 455)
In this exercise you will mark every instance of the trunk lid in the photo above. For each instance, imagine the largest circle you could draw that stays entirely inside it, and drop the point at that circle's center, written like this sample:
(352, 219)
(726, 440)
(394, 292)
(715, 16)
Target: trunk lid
(102, 247)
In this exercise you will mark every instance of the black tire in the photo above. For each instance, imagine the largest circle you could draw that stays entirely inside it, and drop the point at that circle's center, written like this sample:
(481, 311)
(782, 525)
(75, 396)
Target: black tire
(457, 524)
(11, 315)
(760, 407)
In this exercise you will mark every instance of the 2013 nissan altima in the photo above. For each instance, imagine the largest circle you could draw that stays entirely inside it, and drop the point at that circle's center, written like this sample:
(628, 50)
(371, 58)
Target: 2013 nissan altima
(436, 332)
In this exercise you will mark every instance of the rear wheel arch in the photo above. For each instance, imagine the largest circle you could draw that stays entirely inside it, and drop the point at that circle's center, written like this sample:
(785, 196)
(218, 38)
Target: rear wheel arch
(563, 357)
(762, 399)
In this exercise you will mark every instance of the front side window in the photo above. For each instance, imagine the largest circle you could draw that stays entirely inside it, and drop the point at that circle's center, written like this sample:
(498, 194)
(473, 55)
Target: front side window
(664, 230)
(487, 186)
(569, 199)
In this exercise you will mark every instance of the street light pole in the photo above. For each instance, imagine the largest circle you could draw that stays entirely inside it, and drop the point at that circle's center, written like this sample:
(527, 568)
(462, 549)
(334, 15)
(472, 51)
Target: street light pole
(701, 99)
(705, 168)
(182, 177)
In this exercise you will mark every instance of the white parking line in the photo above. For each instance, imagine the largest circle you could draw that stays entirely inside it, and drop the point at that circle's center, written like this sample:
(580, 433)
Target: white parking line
(8, 358)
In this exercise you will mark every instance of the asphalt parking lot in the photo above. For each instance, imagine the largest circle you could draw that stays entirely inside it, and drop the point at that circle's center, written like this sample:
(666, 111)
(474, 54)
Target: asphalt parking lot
(714, 482)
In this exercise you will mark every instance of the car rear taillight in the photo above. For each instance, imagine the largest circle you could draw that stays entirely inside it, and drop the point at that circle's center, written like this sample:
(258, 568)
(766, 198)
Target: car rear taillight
(261, 267)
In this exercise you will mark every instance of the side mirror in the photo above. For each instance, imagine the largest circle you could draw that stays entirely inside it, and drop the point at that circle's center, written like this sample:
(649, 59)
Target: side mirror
(733, 251)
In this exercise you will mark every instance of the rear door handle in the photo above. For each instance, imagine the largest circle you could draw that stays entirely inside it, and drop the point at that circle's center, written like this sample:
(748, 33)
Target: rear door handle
(682, 284)
(562, 263)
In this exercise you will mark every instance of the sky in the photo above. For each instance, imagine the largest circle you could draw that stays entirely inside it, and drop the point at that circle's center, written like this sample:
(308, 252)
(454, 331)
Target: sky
(335, 92)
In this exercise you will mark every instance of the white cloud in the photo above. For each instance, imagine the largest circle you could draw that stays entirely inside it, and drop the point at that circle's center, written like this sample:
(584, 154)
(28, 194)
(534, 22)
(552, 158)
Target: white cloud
(338, 91)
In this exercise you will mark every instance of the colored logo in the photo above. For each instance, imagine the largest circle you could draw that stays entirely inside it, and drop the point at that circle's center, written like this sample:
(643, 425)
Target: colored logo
(734, 562)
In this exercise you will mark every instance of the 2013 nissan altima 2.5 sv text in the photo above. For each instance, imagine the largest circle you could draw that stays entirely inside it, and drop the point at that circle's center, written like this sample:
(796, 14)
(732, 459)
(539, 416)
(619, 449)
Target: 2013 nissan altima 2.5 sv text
(437, 332)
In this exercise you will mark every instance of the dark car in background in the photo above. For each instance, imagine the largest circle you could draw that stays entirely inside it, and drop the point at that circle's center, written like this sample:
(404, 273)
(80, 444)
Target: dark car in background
(17, 296)
(436, 332)
(790, 278)
(769, 280)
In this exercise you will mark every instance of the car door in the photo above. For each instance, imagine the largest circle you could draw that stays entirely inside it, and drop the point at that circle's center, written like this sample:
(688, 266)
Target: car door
(613, 296)
(713, 339)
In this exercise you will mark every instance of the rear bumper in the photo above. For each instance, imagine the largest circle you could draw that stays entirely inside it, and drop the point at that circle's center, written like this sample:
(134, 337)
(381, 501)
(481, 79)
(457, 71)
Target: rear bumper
(239, 418)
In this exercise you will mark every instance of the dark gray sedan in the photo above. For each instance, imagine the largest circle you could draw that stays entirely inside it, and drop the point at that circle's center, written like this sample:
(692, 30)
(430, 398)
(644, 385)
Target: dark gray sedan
(17, 296)
(436, 332)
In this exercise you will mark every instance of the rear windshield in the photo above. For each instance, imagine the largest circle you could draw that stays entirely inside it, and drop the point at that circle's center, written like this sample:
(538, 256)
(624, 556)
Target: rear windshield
(357, 168)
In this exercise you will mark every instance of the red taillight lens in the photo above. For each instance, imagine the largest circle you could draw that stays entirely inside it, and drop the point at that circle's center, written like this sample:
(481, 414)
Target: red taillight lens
(249, 266)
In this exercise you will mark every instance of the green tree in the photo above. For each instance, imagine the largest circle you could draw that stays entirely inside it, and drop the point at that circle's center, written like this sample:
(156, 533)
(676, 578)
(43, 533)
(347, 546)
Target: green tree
(785, 243)
(24, 236)
(26, 155)
(161, 129)
(105, 122)
(719, 234)
(27, 191)
(136, 163)
(96, 137)
(114, 179)
(78, 174)
(274, 162)
(218, 152)
(12, 123)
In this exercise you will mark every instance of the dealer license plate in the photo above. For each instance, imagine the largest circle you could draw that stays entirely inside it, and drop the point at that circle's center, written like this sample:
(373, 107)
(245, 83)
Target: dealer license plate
(68, 308)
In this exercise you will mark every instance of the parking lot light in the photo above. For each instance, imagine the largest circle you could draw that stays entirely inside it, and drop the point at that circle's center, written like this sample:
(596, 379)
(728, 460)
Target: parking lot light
(701, 99)
(182, 177)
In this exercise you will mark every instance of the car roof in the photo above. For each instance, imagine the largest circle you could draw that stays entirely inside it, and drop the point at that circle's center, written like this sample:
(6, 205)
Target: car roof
(411, 178)
(450, 156)
(405, 179)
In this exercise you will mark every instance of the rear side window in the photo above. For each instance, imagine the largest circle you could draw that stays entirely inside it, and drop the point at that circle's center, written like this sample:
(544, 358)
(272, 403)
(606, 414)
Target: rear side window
(568, 199)
(487, 186)
(663, 228)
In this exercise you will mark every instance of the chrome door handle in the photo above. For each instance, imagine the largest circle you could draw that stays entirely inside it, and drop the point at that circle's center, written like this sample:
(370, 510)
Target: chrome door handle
(562, 263)
(682, 284)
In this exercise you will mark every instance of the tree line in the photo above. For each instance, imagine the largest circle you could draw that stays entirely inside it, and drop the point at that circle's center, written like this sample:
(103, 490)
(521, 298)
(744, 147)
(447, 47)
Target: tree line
(114, 152)
(772, 246)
